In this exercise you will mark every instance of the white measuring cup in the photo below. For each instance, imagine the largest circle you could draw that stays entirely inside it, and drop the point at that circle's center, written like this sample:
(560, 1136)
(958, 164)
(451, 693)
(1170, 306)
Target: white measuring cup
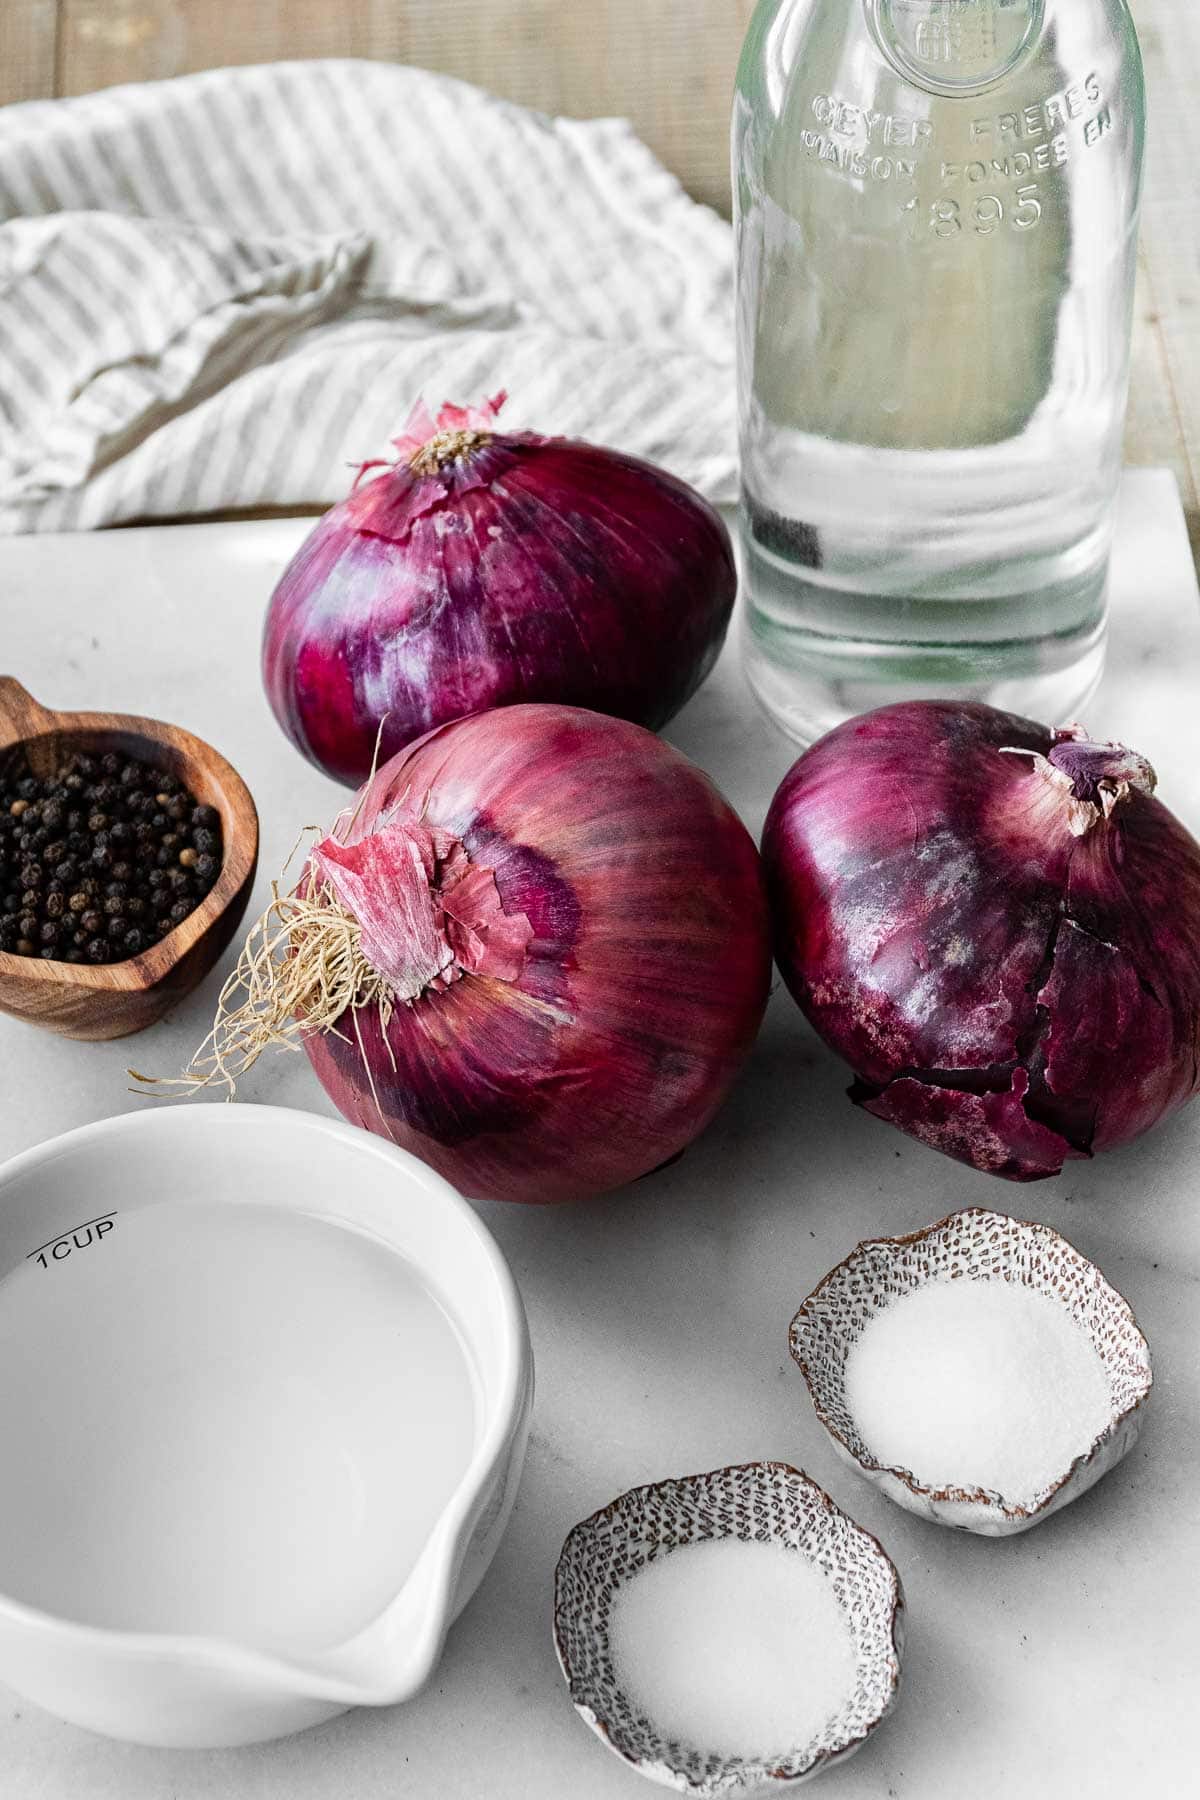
(265, 1394)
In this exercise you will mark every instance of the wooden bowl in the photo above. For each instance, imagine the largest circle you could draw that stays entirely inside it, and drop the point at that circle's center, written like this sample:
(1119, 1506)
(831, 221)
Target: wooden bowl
(117, 999)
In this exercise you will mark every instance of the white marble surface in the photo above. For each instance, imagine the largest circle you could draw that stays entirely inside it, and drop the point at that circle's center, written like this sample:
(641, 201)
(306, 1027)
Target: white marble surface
(1054, 1664)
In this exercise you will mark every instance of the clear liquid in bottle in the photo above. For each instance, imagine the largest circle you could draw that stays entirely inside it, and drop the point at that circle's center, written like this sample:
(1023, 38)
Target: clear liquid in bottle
(936, 206)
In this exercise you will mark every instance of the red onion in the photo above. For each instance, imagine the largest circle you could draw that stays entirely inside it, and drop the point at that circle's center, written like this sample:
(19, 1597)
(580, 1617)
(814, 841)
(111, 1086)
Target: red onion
(536, 955)
(481, 570)
(996, 926)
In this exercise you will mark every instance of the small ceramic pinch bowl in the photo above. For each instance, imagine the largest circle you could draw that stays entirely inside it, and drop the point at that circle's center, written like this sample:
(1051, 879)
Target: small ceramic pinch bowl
(767, 1503)
(116, 999)
(265, 1385)
(976, 1245)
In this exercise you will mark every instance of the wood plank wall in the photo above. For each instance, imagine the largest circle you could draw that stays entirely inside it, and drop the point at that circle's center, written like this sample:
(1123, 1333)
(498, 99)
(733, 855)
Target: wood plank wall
(668, 65)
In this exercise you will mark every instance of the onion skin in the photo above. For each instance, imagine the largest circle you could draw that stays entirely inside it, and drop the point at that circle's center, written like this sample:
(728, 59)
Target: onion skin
(1006, 991)
(645, 975)
(524, 569)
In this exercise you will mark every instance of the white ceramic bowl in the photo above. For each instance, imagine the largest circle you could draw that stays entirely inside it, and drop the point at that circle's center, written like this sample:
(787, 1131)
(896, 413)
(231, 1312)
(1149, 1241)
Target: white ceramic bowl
(974, 1245)
(278, 1352)
(763, 1502)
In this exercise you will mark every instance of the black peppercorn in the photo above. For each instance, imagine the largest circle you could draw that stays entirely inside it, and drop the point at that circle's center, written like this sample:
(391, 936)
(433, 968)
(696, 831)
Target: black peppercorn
(101, 858)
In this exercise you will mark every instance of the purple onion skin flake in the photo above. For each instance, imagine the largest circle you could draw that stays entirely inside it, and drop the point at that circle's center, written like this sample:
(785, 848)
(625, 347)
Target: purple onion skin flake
(996, 925)
(482, 570)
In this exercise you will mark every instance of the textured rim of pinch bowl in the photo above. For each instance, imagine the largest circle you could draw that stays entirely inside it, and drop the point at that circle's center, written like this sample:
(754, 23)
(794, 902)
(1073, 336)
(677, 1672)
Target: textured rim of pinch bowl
(662, 1773)
(953, 1495)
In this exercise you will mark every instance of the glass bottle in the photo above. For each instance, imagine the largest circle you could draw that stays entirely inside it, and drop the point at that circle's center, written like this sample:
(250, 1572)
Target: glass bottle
(936, 207)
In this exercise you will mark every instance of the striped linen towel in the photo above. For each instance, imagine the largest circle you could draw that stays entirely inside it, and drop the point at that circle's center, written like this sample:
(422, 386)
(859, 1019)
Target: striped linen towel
(221, 291)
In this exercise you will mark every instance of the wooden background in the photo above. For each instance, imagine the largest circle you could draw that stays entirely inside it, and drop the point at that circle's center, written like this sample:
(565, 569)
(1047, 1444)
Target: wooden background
(666, 64)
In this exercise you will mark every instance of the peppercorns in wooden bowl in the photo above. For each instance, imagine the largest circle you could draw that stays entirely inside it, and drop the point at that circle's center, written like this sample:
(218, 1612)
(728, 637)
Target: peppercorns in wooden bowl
(101, 858)
(127, 852)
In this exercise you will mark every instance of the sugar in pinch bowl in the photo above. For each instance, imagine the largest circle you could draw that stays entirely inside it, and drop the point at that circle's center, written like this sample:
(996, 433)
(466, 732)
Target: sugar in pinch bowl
(765, 1503)
(975, 1245)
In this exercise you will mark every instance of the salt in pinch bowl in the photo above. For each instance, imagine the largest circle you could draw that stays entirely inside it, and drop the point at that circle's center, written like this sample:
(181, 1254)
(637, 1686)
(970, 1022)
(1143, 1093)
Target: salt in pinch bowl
(975, 1246)
(265, 1388)
(758, 1504)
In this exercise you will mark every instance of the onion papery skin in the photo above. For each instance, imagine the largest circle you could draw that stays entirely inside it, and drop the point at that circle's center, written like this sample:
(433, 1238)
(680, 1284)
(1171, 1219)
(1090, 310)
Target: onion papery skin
(530, 569)
(1007, 992)
(645, 974)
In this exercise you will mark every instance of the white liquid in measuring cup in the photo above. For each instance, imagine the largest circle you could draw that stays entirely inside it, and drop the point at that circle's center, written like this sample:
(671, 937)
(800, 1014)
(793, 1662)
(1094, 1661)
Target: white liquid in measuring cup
(225, 1419)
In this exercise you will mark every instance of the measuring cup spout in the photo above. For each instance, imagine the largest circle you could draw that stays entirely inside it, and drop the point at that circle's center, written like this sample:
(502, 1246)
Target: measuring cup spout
(394, 1657)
